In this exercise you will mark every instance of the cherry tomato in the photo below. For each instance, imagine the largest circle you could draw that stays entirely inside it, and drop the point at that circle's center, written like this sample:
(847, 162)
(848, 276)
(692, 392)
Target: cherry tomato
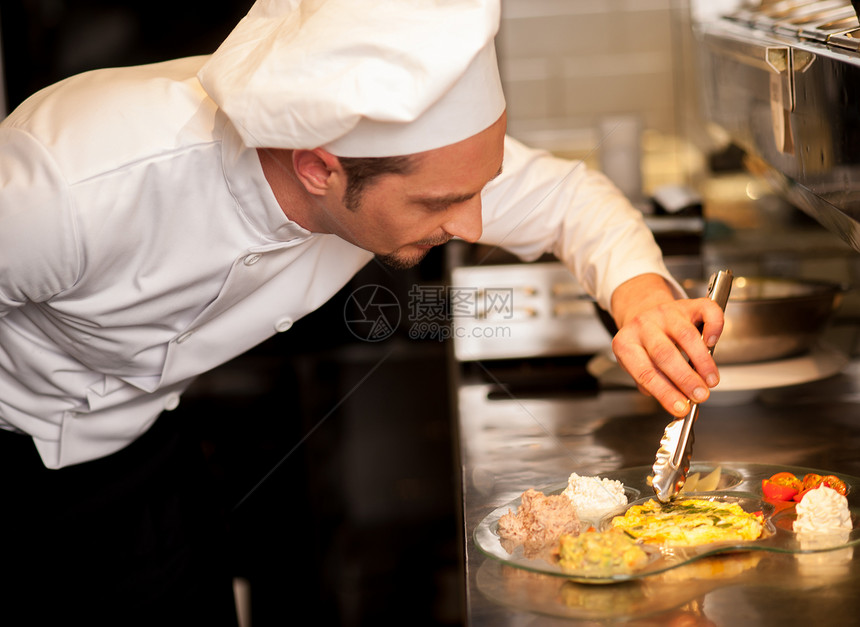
(810, 481)
(786, 478)
(777, 492)
(832, 481)
(783, 486)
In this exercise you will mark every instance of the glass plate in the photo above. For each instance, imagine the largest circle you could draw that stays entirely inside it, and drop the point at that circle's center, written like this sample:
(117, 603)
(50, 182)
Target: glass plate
(739, 482)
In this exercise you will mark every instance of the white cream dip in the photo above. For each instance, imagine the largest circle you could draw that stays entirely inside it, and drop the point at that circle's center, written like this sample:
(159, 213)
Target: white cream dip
(821, 510)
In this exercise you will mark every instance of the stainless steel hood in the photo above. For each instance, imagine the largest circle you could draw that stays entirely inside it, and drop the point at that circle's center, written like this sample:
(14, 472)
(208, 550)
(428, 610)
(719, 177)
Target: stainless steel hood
(783, 80)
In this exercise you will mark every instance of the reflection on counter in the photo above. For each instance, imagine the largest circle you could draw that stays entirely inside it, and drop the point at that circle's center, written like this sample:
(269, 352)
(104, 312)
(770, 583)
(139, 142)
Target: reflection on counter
(638, 599)
(671, 596)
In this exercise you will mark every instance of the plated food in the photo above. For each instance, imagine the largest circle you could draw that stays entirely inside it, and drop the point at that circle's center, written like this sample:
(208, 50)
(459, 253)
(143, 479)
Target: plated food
(538, 522)
(605, 529)
(595, 497)
(690, 522)
(822, 510)
(703, 482)
(786, 486)
(541, 520)
(601, 553)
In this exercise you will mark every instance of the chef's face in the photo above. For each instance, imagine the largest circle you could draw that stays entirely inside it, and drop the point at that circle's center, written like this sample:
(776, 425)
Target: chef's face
(400, 217)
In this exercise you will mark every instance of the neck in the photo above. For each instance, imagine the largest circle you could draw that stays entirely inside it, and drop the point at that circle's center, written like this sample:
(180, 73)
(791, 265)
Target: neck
(292, 198)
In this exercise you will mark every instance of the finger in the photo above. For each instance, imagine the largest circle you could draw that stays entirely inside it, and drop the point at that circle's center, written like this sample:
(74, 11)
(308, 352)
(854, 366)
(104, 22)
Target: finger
(697, 346)
(648, 375)
(713, 321)
(670, 397)
(642, 390)
(673, 351)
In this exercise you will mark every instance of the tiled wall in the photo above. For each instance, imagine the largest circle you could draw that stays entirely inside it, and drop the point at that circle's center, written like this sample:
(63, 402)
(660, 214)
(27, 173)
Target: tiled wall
(567, 65)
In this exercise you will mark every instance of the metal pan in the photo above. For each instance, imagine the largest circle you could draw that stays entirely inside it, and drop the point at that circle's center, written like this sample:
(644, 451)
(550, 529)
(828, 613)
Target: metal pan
(771, 318)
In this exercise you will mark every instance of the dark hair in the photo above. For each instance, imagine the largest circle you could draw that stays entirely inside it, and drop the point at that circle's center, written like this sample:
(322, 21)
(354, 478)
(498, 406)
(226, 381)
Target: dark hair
(361, 171)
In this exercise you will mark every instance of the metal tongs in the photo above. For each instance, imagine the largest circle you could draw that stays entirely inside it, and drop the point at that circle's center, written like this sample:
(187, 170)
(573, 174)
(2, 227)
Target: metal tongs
(676, 446)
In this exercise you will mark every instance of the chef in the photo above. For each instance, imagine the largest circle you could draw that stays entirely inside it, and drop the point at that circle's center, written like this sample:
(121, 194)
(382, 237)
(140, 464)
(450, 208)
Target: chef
(158, 221)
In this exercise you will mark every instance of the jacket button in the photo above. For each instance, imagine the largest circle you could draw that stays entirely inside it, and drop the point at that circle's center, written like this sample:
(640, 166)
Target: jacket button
(250, 260)
(184, 337)
(283, 324)
(171, 401)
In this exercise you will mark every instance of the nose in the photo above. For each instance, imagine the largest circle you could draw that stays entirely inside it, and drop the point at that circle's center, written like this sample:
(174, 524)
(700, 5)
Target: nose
(465, 220)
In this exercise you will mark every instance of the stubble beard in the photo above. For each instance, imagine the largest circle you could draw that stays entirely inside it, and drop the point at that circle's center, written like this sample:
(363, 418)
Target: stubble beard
(399, 261)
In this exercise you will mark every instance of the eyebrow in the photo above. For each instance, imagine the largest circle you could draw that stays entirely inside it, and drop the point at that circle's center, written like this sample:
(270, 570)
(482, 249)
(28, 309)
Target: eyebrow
(453, 198)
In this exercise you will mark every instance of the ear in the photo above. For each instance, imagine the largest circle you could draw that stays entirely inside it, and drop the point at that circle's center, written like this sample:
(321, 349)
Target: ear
(318, 171)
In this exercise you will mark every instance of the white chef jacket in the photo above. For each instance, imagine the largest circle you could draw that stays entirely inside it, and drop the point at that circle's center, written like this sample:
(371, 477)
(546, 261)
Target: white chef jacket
(140, 245)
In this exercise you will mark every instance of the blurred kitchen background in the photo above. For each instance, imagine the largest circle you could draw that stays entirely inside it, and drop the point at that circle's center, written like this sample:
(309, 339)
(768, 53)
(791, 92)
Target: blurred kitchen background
(337, 455)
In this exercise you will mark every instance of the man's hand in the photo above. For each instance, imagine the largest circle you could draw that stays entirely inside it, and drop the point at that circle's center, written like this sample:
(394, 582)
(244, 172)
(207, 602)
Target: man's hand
(655, 333)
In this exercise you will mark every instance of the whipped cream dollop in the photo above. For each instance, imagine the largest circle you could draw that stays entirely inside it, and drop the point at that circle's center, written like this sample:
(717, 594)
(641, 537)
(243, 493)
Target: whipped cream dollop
(595, 497)
(822, 510)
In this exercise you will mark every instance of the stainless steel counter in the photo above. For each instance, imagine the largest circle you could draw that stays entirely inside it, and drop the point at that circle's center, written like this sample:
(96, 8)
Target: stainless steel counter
(510, 442)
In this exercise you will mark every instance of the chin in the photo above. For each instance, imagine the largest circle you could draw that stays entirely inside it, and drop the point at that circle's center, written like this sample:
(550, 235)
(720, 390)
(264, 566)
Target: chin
(402, 261)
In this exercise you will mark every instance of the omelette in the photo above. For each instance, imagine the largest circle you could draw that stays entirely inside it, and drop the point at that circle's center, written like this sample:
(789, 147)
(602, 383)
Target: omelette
(600, 553)
(690, 522)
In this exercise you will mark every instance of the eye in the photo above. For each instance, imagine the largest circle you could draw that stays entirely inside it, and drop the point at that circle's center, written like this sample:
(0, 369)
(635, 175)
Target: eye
(438, 206)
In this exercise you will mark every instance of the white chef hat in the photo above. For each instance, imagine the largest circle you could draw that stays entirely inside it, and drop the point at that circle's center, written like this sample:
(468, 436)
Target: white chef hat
(361, 78)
